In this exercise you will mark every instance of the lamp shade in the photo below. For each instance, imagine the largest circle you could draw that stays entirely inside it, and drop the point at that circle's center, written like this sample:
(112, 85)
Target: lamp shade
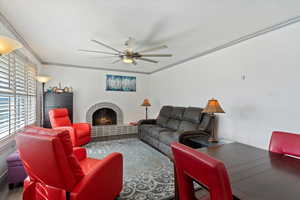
(7, 45)
(146, 102)
(213, 106)
(43, 79)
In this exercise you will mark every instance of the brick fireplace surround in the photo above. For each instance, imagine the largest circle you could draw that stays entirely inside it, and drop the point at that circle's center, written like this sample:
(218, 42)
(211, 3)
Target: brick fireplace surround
(120, 129)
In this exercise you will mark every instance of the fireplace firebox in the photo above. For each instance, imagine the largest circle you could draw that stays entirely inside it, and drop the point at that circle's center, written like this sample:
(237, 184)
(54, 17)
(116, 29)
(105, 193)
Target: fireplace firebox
(104, 116)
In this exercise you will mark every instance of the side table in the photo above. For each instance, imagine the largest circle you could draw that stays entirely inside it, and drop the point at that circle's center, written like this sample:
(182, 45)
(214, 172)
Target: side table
(197, 142)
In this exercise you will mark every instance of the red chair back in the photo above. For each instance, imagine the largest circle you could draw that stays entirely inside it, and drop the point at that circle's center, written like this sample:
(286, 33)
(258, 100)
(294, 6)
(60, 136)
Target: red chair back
(193, 165)
(59, 117)
(48, 157)
(285, 143)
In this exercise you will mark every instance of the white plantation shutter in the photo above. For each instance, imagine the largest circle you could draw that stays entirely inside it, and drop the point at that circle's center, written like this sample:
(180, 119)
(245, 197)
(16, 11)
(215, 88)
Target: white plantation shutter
(31, 95)
(17, 94)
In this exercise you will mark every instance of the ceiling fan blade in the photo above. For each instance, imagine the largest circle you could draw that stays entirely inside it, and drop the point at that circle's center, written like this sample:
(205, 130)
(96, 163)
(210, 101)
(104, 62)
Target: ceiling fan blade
(148, 60)
(156, 55)
(103, 52)
(116, 61)
(153, 49)
(107, 46)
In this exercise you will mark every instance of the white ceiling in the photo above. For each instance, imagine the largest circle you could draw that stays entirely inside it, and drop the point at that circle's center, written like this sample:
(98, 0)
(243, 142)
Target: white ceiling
(55, 29)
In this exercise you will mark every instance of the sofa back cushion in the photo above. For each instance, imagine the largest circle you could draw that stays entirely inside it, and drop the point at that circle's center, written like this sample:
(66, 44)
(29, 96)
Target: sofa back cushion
(177, 113)
(173, 124)
(164, 115)
(193, 114)
(162, 121)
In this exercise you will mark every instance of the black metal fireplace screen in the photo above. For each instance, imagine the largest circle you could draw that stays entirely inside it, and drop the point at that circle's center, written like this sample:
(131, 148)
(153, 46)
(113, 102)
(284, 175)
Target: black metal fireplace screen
(104, 116)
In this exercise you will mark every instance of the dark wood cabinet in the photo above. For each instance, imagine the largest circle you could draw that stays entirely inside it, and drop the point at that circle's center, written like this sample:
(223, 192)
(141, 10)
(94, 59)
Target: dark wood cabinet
(57, 100)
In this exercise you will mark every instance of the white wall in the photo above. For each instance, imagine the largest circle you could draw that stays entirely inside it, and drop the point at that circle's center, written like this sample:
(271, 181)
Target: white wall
(89, 89)
(268, 99)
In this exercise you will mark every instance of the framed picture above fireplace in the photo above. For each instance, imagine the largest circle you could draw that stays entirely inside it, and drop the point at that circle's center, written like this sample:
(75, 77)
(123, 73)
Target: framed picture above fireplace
(120, 83)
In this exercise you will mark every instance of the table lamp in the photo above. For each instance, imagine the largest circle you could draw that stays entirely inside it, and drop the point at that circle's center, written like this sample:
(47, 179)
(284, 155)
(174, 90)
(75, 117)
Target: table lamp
(211, 108)
(43, 80)
(146, 104)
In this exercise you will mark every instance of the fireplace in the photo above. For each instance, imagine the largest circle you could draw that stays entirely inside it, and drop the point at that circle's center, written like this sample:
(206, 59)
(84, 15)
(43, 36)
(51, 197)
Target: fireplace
(104, 113)
(107, 120)
(104, 116)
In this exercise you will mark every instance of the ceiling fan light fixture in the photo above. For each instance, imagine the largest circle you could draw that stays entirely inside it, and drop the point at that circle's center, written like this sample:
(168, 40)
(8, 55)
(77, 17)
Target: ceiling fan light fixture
(127, 60)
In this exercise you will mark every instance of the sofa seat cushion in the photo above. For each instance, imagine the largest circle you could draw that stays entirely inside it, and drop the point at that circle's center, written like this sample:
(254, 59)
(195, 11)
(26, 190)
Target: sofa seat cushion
(155, 131)
(167, 137)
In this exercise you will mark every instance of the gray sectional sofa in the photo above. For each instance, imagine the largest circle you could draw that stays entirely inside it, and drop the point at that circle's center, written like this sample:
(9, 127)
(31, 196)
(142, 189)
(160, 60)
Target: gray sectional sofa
(174, 124)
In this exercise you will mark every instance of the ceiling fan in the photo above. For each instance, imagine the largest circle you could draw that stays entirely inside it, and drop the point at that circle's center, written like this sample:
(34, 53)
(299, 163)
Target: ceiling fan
(128, 55)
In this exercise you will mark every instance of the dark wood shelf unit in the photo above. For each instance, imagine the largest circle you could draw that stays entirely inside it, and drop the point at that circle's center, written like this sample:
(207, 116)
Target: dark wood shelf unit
(57, 100)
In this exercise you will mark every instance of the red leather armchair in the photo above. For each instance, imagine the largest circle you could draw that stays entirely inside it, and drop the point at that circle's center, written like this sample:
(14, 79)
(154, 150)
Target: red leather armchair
(56, 171)
(285, 143)
(80, 132)
(193, 165)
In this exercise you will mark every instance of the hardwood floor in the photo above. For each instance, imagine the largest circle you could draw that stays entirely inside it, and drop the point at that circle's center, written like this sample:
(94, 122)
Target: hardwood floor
(15, 194)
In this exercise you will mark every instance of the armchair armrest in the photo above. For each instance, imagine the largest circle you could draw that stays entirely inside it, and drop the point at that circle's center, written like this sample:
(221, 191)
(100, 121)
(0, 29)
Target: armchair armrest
(104, 181)
(85, 126)
(146, 121)
(72, 133)
(80, 153)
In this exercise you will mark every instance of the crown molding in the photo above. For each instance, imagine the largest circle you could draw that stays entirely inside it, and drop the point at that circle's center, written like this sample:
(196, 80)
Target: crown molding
(204, 53)
(11, 28)
(234, 42)
(92, 68)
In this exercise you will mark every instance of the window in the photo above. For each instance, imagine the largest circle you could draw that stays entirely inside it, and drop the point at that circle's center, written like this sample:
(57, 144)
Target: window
(17, 94)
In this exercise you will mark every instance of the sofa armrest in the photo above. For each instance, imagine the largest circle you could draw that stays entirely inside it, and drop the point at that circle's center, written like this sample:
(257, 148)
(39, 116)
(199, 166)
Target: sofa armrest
(188, 134)
(85, 126)
(72, 133)
(80, 153)
(104, 181)
(146, 121)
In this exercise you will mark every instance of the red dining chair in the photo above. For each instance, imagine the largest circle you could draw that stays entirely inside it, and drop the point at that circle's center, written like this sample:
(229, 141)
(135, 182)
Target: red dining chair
(56, 171)
(80, 132)
(192, 165)
(285, 143)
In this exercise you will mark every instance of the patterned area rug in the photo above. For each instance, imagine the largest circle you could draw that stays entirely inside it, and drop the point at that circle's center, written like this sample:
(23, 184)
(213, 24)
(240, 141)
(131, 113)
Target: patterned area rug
(148, 174)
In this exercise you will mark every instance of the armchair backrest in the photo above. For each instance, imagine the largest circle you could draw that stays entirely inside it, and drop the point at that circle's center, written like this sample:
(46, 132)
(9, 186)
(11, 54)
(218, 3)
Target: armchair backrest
(59, 117)
(48, 157)
(285, 143)
(191, 165)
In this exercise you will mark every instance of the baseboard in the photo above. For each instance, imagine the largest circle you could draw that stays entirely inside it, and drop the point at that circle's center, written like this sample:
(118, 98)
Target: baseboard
(114, 137)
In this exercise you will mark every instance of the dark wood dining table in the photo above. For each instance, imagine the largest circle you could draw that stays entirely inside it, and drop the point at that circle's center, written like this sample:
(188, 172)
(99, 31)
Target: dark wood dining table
(257, 174)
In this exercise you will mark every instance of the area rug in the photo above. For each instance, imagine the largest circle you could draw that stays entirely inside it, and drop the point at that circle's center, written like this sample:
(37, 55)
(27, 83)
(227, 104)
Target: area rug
(148, 174)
